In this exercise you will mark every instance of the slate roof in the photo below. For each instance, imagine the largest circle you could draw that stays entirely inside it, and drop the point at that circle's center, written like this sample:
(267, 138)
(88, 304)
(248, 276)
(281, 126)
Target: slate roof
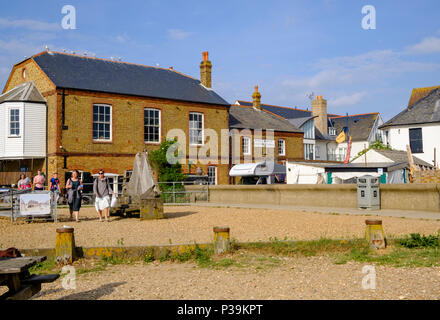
(299, 122)
(426, 110)
(88, 73)
(25, 92)
(360, 125)
(401, 156)
(249, 118)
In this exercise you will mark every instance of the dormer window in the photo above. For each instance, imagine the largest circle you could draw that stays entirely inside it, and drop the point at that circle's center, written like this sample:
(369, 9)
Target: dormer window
(332, 131)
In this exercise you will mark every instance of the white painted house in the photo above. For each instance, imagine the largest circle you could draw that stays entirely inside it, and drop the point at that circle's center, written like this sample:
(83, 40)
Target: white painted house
(23, 125)
(417, 126)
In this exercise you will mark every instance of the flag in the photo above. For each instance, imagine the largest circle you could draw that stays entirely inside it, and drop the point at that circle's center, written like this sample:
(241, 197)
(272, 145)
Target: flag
(341, 137)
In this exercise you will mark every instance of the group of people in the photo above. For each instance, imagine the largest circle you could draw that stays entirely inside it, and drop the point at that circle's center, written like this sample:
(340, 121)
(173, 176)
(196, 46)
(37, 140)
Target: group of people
(25, 183)
(74, 188)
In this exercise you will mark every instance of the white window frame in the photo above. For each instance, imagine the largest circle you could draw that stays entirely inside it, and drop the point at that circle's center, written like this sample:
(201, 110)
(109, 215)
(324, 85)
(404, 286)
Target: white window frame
(10, 122)
(249, 146)
(111, 122)
(160, 125)
(202, 129)
(216, 174)
(282, 151)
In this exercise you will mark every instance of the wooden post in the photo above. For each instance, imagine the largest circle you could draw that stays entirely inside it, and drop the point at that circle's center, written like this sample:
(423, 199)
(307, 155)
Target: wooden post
(365, 154)
(222, 241)
(65, 246)
(374, 234)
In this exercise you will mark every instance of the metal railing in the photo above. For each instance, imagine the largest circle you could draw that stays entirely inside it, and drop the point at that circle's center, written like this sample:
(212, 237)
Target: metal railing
(176, 193)
(171, 192)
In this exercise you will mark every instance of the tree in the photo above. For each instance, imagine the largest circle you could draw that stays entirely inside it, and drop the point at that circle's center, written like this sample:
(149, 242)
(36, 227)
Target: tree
(167, 172)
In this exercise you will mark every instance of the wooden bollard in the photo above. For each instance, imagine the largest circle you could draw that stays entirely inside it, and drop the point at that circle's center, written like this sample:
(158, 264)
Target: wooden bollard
(65, 246)
(222, 241)
(374, 234)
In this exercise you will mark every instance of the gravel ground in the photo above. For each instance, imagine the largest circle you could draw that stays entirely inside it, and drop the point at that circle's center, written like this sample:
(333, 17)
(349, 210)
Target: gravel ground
(293, 278)
(186, 224)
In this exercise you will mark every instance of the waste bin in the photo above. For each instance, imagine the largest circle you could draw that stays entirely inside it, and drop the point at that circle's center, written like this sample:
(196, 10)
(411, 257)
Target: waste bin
(368, 192)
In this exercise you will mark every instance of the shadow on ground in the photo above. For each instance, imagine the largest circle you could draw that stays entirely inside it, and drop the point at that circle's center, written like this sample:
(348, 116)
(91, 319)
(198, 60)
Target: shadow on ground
(173, 215)
(94, 294)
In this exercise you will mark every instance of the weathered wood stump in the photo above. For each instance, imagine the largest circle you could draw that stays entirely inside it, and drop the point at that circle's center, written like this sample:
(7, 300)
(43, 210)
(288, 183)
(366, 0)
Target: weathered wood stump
(374, 234)
(222, 242)
(151, 209)
(65, 246)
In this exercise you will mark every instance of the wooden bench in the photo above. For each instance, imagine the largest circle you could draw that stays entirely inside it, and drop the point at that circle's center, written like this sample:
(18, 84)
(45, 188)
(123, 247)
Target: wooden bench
(14, 272)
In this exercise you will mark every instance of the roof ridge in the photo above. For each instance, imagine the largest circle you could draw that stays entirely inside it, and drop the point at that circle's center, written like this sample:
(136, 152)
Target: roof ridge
(283, 107)
(353, 115)
(420, 100)
(272, 105)
(418, 90)
(408, 108)
(109, 60)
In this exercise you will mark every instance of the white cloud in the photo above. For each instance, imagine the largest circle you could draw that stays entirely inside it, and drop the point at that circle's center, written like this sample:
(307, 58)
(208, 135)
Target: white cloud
(29, 24)
(121, 39)
(178, 34)
(347, 100)
(366, 68)
(18, 47)
(427, 45)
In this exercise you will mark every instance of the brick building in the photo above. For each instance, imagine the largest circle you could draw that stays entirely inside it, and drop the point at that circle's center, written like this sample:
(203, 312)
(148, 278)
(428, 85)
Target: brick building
(100, 112)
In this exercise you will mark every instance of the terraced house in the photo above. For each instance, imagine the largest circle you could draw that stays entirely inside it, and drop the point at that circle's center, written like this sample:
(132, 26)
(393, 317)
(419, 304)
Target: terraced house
(258, 134)
(100, 113)
(321, 129)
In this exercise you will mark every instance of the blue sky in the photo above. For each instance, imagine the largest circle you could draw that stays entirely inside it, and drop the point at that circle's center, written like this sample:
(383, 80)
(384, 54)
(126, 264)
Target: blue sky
(289, 48)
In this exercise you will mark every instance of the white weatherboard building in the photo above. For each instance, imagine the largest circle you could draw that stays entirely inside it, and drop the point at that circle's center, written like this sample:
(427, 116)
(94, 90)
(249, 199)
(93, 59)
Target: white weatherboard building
(417, 126)
(22, 126)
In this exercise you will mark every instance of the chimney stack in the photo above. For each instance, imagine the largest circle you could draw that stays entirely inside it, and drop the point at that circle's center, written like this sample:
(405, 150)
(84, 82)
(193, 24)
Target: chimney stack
(256, 97)
(319, 108)
(205, 70)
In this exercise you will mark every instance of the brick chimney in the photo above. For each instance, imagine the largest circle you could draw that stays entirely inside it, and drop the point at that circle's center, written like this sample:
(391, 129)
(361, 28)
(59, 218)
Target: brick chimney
(205, 70)
(319, 108)
(256, 97)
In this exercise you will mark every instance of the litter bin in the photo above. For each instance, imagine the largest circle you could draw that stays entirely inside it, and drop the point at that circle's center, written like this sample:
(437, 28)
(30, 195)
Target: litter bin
(368, 192)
